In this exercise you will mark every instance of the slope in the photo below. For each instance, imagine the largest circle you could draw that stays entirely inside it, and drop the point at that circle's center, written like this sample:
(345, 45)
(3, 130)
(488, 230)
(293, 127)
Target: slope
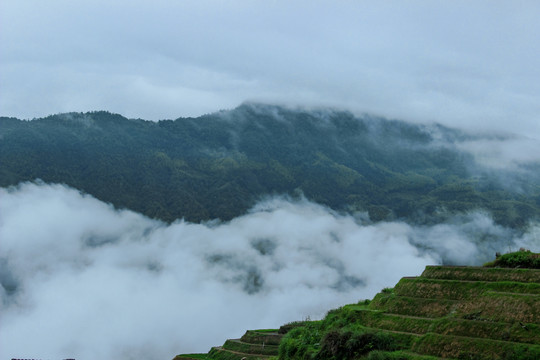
(221, 164)
(447, 312)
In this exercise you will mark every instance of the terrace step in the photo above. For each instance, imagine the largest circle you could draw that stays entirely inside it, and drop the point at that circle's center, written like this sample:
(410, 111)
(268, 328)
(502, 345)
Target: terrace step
(262, 337)
(501, 307)
(481, 274)
(490, 306)
(459, 289)
(393, 322)
(191, 357)
(413, 306)
(219, 353)
(461, 347)
(527, 333)
(257, 349)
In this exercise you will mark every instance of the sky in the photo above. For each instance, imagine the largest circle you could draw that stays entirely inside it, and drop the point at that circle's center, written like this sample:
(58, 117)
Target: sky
(460, 63)
(83, 280)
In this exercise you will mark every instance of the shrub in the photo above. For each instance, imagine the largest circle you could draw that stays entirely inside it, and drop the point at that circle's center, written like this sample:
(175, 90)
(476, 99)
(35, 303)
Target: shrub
(350, 345)
(301, 342)
(284, 329)
(520, 259)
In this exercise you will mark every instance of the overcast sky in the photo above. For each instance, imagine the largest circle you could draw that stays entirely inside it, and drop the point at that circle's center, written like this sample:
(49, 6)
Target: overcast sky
(461, 63)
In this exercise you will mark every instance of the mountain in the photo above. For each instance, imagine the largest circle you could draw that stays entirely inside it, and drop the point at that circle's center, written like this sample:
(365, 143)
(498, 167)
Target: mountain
(219, 165)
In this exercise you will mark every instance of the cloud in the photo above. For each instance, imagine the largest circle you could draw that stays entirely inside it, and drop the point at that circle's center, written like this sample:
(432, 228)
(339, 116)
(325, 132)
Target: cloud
(81, 279)
(462, 64)
(506, 153)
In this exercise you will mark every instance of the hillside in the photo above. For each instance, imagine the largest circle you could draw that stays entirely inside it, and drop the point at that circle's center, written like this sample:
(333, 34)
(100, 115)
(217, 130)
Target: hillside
(219, 165)
(447, 312)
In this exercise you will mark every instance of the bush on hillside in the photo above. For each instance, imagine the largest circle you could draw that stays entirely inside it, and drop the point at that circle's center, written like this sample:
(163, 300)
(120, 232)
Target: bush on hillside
(300, 342)
(284, 329)
(519, 259)
(350, 345)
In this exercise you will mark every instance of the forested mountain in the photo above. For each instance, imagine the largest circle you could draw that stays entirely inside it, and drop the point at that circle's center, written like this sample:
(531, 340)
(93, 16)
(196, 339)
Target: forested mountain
(219, 165)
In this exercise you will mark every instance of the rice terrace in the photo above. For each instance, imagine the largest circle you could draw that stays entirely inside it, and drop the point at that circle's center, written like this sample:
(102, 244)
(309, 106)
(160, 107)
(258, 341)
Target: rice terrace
(449, 312)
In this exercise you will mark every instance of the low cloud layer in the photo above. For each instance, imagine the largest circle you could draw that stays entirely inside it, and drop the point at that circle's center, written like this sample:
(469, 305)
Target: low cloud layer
(81, 279)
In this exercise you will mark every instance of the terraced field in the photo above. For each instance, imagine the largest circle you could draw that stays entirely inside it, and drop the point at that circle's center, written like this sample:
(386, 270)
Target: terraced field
(253, 345)
(446, 313)
(464, 312)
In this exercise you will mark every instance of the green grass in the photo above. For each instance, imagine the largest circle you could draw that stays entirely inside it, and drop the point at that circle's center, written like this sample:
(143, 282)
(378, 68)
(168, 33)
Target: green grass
(528, 333)
(503, 307)
(302, 342)
(493, 306)
(292, 325)
(220, 354)
(266, 330)
(192, 356)
(398, 355)
(260, 337)
(376, 319)
(247, 348)
(413, 306)
(474, 348)
(518, 259)
(459, 290)
(481, 274)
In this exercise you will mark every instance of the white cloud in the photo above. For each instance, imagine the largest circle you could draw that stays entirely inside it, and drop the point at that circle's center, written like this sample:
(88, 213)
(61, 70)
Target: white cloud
(95, 282)
(503, 154)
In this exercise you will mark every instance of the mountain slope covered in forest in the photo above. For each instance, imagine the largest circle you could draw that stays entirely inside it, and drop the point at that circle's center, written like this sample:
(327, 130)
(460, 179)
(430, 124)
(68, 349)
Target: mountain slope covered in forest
(221, 164)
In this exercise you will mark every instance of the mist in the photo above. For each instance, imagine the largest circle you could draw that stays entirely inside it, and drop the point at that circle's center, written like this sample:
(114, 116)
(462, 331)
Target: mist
(84, 280)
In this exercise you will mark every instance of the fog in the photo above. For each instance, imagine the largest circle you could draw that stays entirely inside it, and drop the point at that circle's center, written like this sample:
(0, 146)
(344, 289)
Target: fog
(504, 153)
(81, 279)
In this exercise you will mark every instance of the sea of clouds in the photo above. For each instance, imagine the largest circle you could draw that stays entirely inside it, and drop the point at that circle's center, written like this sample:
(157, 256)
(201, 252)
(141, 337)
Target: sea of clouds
(83, 280)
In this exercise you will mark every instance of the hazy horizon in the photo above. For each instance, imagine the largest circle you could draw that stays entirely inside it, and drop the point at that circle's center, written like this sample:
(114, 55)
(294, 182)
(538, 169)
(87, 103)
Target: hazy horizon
(463, 64)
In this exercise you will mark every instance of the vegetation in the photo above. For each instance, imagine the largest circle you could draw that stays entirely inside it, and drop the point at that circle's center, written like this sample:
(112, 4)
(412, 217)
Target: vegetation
(398, 355)
(219, 165)
(520, 259)
(351, 345)
(474, 348)
(267, 337)
(441, 314)
(192, 357)
(460, 290)
(481, 274)
(284, 329)
(222, 354)
(248, 348)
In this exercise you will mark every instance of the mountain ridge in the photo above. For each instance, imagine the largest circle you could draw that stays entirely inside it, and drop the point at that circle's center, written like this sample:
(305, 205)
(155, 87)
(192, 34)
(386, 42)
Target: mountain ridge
(218, 165)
